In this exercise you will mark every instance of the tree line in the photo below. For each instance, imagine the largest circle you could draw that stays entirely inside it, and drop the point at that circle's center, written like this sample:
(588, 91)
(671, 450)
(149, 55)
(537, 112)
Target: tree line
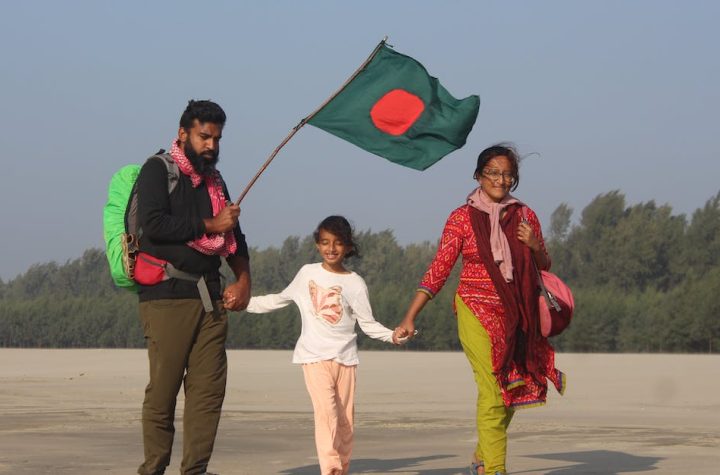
(644, 280)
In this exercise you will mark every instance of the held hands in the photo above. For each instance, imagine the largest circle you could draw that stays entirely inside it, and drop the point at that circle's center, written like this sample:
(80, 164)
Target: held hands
(403, 333)
(224, 221)
(406, 329)
(526, 235)
(236, 297)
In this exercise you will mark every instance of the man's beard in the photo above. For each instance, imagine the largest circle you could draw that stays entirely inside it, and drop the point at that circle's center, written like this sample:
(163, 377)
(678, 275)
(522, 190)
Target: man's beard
(203, 166)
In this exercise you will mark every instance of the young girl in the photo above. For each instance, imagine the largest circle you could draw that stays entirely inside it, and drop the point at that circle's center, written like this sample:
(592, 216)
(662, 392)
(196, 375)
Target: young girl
(331, 299)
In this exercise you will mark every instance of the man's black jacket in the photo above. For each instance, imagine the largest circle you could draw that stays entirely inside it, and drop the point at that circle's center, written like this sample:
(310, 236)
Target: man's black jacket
(168, 222)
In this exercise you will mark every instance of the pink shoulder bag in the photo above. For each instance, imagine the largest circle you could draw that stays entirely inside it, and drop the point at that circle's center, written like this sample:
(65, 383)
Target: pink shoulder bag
(556, 303)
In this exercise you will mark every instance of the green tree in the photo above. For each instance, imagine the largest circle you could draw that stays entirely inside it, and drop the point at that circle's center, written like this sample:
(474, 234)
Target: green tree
(644, 280)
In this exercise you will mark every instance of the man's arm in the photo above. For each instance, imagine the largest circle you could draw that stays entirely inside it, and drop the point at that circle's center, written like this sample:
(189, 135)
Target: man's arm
(237, 294)
(225, 220)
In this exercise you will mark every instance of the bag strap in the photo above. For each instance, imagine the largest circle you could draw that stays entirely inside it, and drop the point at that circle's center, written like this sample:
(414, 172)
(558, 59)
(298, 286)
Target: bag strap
(173, 176)
(171, 272)
(202, 287)
(172, 168)
(549, 297)
(532, 256)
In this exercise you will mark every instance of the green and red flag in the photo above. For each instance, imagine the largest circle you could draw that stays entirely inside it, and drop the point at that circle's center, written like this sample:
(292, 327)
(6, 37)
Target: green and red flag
(393, 108)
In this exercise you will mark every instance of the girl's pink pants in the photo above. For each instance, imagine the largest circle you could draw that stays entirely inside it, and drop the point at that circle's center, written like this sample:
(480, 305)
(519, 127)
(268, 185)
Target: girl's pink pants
(332, 389)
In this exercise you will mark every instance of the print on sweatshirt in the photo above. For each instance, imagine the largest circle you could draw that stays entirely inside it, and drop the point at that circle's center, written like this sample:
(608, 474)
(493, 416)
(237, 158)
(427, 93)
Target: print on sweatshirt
(330, 305)
(327, 303)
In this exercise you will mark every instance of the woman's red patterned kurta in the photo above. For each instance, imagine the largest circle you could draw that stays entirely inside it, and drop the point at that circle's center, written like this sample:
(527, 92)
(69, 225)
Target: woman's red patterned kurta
(478, 292)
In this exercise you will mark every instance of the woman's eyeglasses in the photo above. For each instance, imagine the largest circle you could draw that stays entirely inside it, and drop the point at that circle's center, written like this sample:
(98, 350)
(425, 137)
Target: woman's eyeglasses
(496, 175)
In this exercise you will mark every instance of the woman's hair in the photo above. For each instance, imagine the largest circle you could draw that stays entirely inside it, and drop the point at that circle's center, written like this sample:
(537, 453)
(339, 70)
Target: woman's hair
(503, 149)
(340, 227)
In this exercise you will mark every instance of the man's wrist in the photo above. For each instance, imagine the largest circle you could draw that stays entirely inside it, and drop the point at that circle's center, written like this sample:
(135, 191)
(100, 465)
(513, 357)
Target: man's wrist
(208, 225)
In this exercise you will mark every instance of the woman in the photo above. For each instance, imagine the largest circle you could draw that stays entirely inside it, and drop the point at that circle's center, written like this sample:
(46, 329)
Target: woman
(496, 301)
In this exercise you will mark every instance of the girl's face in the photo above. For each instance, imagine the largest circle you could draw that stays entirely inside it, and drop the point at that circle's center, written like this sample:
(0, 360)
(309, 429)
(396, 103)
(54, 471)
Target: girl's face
(496, 178)
(332, 249)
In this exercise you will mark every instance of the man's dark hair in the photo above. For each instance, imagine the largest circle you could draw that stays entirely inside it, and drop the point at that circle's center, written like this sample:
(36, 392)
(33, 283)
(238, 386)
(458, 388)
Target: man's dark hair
(203, 111)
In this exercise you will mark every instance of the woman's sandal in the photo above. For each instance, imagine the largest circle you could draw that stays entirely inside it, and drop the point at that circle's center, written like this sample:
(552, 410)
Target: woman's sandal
(477, 468)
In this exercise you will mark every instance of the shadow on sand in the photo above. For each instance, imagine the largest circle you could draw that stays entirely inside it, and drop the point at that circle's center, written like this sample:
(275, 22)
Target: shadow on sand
(600, 462)
(401, 465)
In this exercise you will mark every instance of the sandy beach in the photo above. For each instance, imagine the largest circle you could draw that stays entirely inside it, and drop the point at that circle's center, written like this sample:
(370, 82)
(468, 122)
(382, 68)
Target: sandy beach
(77, 412)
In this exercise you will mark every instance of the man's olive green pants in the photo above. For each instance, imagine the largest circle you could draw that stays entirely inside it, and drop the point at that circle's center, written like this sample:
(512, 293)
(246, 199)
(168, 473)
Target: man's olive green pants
(186, 345)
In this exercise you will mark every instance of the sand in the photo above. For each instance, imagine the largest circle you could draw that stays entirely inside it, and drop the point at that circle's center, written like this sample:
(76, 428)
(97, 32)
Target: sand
(77, 412)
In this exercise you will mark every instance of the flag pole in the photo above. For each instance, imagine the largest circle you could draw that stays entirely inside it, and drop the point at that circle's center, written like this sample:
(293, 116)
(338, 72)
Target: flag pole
(306, 119)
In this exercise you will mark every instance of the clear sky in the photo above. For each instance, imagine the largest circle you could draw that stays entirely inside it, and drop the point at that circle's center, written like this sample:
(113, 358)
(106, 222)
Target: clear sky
(609, 94)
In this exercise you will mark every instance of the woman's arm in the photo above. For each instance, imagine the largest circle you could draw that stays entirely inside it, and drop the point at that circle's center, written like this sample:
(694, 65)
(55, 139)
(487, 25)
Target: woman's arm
(439, 270)
(530, 233)
(407, 326)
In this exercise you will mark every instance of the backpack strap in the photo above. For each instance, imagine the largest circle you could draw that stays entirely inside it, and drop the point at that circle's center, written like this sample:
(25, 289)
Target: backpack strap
(173, 176)
(172, 168)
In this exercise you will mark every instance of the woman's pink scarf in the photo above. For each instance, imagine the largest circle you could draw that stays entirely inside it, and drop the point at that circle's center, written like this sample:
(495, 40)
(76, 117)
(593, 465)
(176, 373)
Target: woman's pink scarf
(498, 241)
(222, 244)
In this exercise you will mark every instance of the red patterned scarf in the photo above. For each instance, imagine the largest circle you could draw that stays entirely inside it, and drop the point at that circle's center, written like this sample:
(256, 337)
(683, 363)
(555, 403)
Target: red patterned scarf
(222, 244)
(519, 297)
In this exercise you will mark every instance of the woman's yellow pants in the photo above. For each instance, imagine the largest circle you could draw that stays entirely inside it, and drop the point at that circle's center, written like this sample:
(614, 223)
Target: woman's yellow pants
(493, 418)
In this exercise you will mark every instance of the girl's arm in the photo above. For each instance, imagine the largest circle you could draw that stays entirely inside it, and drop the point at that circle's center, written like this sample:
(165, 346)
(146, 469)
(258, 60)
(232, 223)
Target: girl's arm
(366, 320)
(268, 303)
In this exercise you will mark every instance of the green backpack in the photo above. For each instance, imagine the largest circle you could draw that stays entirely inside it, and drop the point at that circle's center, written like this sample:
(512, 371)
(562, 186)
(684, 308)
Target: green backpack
(120, 227)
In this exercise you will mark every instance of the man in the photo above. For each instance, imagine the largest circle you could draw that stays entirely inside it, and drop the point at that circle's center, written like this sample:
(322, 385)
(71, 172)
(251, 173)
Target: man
(185, 316)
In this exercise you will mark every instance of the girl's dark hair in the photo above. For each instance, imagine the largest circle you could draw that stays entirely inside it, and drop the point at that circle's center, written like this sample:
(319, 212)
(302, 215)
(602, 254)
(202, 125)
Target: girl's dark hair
(504, 149)
(204, 112)
(340, 227)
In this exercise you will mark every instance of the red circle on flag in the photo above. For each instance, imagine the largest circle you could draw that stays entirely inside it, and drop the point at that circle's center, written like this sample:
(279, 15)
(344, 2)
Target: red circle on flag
(396, 111)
